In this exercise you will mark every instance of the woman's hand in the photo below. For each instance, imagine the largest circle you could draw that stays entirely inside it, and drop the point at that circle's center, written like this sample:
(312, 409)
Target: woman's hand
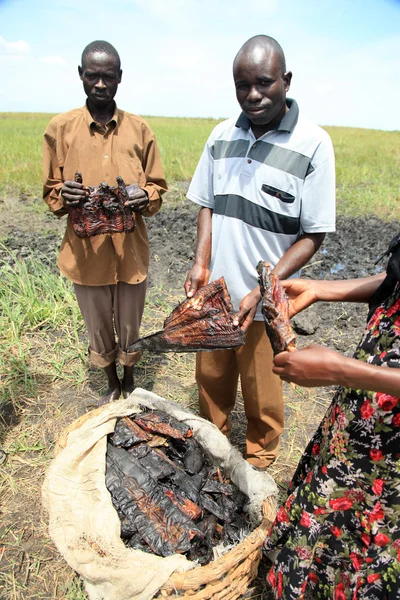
(313, 366)
(301, 293)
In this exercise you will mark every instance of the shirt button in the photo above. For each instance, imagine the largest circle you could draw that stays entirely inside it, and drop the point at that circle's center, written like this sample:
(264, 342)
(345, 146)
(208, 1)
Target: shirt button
(249, 161)
(254, 145)
(106, 156)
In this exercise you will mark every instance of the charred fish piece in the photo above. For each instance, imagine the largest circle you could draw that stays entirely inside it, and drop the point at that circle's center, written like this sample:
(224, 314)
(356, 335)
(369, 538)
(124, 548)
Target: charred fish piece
(158, 464)
(136, 543)
(158, 521)
(128, 529)
(102, 211)
(161, 423)
(189, 508)
(190, 485)
(193, 459)
(215, 509)
(127, 433)
(203, 322)
(275, 309)
(215, 487)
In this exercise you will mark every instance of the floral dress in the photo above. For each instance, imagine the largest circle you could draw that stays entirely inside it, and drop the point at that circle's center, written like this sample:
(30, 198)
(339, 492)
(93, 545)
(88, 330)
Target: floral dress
(338, 533)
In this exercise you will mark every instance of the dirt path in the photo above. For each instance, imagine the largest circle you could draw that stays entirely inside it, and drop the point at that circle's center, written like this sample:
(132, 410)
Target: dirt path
(30, 565)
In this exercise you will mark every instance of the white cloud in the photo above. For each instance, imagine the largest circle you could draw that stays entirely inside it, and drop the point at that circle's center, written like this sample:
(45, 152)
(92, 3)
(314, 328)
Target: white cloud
(54, 60)
(18, 47)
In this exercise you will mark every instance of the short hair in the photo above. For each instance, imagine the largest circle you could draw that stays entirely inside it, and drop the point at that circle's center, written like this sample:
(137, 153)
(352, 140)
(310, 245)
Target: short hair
(267, 42)
(103, 47)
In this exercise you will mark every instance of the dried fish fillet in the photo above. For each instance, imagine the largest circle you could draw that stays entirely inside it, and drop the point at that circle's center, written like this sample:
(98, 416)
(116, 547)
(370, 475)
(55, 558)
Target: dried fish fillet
(275, 309)
(203, 322)
(163, 424)
(127, 433)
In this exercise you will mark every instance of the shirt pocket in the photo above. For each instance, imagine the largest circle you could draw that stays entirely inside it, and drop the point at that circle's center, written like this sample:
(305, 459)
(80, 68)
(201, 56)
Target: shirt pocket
(277, 193)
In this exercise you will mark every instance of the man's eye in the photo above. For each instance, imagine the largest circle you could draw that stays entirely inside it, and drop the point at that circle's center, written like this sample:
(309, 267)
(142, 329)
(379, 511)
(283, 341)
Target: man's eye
(242, 86)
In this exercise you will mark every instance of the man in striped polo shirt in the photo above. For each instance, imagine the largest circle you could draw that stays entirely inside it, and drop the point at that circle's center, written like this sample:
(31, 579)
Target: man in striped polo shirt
(266, 186)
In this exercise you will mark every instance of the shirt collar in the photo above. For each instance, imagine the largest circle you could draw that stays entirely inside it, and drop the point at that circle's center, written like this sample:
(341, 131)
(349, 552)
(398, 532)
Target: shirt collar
(287, 123)
(91, 123)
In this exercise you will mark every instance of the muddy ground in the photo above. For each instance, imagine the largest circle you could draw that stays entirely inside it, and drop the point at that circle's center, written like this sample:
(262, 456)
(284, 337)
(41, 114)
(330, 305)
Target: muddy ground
(351, 252)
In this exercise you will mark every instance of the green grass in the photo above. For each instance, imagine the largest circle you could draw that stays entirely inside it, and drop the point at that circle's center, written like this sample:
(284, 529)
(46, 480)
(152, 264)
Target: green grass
(39, 329)
(367, 161)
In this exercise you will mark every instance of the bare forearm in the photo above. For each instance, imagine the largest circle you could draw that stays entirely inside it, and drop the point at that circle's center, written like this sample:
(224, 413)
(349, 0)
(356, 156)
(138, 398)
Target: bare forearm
(363, 376)
(204, 236)
(351, 290)
(299, 254)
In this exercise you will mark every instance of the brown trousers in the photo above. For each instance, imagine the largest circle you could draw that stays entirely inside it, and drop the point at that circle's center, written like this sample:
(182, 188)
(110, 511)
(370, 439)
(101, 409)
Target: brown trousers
(110, 309)
(217, 375)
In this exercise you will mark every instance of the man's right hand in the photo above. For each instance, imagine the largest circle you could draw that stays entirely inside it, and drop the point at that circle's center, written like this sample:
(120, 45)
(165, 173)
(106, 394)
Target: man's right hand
(196, 278)
(73, 193)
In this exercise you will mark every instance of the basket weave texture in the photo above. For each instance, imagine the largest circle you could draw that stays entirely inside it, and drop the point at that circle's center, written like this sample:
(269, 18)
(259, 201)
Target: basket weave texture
(227, 577)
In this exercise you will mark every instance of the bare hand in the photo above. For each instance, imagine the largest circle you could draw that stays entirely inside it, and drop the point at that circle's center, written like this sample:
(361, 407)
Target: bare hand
(73, 193)
(196, 278)
(301, 294)
(138, 198)
(313, 366)
(247, 309)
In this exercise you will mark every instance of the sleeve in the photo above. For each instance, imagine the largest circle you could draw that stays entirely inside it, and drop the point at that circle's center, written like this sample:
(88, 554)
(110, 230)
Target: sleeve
(318, 209)
(52, 178)
(152, 166)
(201, 189)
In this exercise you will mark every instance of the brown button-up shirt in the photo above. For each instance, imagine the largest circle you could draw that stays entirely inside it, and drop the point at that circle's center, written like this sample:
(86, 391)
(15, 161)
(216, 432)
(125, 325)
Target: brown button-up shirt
(73, 141)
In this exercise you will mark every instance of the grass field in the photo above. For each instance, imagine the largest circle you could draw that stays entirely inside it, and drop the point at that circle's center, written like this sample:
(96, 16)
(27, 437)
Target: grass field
(44, 376)
(367, 161)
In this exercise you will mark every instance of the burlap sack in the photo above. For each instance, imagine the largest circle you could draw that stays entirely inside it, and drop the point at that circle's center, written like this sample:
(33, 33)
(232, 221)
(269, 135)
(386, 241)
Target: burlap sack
(82, 521)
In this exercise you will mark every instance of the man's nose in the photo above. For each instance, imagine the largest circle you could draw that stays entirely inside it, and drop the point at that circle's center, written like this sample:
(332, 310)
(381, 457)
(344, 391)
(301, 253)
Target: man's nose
(254, 94)
(100, 84)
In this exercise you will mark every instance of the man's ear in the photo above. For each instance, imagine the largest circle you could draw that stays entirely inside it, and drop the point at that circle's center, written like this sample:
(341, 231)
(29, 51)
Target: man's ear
(287, 78)
(120, 76)
(80, 71)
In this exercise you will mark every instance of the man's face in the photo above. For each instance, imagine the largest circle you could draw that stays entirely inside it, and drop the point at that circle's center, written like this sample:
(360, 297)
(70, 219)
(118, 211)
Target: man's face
(261, 86)
(100, 76)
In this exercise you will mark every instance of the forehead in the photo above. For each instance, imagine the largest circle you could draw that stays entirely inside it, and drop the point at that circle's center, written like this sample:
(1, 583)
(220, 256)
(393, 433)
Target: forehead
(255, 63)
(100, 60)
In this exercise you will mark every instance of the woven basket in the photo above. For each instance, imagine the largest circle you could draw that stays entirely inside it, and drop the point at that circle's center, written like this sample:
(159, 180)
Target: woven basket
(227, 577)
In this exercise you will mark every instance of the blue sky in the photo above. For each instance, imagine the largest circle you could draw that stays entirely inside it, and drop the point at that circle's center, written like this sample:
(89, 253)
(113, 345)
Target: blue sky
(177, 54)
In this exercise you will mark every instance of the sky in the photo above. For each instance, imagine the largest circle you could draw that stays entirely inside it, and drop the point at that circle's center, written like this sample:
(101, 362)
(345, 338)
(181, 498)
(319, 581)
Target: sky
(177, 55)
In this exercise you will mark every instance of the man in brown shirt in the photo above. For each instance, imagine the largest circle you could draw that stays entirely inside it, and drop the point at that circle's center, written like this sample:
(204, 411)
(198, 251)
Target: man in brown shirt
(109, 271)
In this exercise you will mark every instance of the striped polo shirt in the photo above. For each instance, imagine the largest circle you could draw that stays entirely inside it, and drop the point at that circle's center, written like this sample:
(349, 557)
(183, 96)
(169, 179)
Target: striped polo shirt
(264, 194)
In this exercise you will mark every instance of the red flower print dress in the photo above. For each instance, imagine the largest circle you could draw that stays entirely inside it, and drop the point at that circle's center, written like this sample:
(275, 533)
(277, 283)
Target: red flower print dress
(338, 533)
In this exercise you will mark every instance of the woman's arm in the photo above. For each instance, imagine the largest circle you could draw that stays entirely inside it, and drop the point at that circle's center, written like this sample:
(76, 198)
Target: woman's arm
(316, 366)
(304, 292)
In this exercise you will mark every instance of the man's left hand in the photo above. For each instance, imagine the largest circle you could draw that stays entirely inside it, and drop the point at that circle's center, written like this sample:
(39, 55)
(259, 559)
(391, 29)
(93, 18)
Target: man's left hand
(247, 309)
(138, 198)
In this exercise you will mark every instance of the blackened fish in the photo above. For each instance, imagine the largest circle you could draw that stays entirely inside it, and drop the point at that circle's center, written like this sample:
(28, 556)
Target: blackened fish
(127, 433)
(163, 424)
(215, 509)
(189, 508)
(203, 322)
(158, 521)
(193, 459)
(275, 309)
